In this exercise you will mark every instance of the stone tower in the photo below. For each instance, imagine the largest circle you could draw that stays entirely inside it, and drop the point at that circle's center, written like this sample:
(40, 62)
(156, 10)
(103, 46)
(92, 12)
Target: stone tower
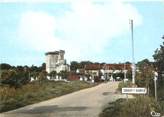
(55, 61)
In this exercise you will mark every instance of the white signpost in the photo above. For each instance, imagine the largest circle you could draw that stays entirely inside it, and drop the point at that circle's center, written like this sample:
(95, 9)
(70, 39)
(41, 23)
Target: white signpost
(134, 90)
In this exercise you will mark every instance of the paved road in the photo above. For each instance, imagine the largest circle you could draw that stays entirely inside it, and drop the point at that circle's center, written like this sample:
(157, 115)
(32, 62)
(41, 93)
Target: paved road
(84, 103)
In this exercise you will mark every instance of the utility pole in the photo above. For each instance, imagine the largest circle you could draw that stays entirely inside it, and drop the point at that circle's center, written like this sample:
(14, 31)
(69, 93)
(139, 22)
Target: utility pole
(133, 60)
(155, 84)
(124, 71)
(155, 88)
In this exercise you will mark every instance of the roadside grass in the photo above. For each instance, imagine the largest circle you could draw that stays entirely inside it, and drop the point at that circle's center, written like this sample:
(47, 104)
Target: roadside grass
(141, 106)
(11, 98)
(160, 92)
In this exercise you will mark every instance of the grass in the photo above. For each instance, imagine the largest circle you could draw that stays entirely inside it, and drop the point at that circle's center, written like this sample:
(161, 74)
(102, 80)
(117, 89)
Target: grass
(11, 98)
(160, 92)
(141, 106)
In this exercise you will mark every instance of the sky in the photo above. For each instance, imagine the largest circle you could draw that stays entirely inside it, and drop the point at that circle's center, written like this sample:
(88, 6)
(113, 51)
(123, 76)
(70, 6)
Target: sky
(94, 30)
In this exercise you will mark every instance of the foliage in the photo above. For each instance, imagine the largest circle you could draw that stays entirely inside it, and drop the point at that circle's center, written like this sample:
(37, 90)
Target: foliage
(52, 74)
(64, 74)
(78, 65)
(34, 74)
(42, 76)
(129, 75)
(144, 78)
(140, 106)
(159, 60)
(5, 66)
(14, 78)
(124, 84)
(12, 98)
(159, 63)
(141, 64)
(160, 92)
(74, 66)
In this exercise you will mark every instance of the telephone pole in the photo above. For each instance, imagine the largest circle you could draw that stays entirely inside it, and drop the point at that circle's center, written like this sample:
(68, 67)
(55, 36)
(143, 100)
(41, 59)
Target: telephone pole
(133, 59)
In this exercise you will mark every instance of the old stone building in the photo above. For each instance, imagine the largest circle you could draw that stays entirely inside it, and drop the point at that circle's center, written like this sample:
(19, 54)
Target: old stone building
(55, 61)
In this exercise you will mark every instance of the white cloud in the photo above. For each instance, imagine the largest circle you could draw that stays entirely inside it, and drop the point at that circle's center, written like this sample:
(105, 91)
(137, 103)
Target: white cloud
(36, 30)
(87, 28)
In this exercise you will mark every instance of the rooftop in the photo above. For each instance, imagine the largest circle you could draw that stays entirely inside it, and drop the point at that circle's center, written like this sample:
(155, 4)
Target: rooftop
(108, 66)
(54, 52)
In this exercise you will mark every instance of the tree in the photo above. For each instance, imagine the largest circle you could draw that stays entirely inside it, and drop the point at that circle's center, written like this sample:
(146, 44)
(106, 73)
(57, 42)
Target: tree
(34, 68)
(74, 66)
(127, 62)
(34, 74)
(14, 78)
(83, 63)
(42, 76)
(20, 68)
(42, 67)
(52, 74)
(159, 60)
(144, 77)
(159, 63)
(142, 63)
(64, 74)
(5, 66)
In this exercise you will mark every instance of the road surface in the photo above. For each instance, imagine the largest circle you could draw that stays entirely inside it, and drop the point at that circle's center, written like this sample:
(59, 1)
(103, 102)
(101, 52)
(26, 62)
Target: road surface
(84, 103)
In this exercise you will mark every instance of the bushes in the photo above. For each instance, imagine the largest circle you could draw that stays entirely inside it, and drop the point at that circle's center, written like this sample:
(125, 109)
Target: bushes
(11, 98)
(140, 106)
(14, 78)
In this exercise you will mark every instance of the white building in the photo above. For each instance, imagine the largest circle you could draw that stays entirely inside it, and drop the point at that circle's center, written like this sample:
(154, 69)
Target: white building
(55, 61)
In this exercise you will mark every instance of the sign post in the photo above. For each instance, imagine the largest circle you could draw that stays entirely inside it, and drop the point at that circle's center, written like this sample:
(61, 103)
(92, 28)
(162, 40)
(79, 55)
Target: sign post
(133, 91)
(155, 88)
(155, 84)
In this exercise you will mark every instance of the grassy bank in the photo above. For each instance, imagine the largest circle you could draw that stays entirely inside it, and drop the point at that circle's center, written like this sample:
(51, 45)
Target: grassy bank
(11, 98)
(160, 92)
(141, 106)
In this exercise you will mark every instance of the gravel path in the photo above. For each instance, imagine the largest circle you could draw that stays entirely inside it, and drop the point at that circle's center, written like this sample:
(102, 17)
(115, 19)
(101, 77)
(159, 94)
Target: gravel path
(84, 103)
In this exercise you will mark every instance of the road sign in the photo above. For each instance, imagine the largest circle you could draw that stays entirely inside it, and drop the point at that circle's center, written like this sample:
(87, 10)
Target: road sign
(134, 90)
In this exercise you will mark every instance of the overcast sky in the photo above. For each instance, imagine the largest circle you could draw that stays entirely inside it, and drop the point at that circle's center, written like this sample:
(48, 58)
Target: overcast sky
(95, 30)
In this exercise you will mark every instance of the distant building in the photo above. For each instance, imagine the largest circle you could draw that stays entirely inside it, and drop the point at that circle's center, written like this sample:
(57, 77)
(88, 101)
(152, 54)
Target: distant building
(55, 61)
(104, 71)
(93, 69)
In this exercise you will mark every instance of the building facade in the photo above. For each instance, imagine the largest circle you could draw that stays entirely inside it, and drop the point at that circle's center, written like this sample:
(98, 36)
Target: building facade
(55, 61)
(106, 71)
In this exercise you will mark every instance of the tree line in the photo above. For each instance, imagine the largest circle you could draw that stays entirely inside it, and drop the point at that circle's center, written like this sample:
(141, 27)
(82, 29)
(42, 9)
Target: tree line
(145, 76)
(20, 75)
